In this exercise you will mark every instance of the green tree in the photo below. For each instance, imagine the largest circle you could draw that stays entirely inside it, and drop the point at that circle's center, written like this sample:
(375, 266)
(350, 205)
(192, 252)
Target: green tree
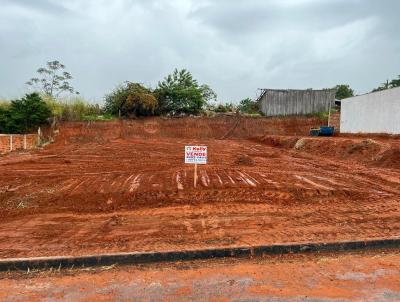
(343, 91)
(248, 106)
(131, 99)
(25, 114)
(4, 119)
(53, 80)
(388, 84)
(179, 92)
(384, 86)
(395, 82)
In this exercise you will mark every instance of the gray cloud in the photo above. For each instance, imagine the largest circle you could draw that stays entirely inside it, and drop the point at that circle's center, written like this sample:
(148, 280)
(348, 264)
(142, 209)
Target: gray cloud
(234, 46)
(45, 6)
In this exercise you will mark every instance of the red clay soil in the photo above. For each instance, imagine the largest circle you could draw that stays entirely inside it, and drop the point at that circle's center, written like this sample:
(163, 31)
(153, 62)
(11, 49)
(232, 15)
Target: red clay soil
(123, 187)
(336, 277)
(375, 151)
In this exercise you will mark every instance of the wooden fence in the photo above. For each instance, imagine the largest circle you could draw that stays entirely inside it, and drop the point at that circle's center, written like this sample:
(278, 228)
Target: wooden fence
(295, 102)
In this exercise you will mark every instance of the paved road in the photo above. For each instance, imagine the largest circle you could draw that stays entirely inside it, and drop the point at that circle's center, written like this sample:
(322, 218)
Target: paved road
(372, 276)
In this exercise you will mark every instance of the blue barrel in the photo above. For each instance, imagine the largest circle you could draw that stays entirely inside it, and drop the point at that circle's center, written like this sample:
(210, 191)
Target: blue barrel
(314, 132)
(326, 131)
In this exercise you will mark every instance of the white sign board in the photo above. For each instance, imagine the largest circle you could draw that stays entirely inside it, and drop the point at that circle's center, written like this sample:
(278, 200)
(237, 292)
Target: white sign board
(196, 155)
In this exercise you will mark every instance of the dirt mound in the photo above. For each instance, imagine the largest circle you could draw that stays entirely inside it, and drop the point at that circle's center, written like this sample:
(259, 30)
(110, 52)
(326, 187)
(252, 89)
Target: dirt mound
(366, 148)
(279, 141)
(244, 160)
(362, 150)
(384, 154)
(389, 159)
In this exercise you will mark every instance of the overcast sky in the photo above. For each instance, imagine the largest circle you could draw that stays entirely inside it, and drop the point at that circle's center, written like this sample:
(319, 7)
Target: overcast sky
(235, 46)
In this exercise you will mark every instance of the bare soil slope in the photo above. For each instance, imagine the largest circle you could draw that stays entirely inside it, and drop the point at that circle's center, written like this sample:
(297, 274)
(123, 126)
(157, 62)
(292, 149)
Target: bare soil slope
(123, 186)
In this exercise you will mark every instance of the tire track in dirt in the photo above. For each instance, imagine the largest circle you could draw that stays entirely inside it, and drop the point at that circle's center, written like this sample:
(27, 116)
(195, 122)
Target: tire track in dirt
(149, 203)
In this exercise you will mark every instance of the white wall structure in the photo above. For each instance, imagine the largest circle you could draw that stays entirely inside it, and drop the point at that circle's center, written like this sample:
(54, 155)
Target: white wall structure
(377, 112)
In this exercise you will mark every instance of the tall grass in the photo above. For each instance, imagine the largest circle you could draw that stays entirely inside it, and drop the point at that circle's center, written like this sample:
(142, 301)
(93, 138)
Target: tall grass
(4, 104)
(75, 109)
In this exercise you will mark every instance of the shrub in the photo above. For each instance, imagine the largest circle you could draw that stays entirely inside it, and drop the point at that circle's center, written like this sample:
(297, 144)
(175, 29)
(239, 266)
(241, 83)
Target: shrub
(98, 117)
(223, 108)
(24, 115)
(131, 100)
(249, 106)
(4, 119)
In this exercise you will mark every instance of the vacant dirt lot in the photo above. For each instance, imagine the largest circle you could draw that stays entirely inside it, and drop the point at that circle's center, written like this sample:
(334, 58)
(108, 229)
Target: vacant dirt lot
(333, 277)
(115, 187)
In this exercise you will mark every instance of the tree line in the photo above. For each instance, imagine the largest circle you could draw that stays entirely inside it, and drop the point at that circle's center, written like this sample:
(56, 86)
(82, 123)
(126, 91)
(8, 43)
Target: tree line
(344, 91)
(178, 94)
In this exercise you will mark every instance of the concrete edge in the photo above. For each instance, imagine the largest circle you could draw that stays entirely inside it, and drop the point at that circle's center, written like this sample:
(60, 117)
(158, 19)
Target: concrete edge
(16, 264)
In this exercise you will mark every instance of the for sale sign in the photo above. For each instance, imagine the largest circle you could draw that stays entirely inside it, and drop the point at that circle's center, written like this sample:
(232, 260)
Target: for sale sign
(196, 155)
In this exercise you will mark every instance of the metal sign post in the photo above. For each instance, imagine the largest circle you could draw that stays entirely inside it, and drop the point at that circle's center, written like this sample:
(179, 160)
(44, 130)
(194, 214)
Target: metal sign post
(329, 114)
(195, 176)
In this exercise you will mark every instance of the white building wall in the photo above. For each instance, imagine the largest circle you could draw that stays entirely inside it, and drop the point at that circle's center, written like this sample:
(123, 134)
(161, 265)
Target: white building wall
(377, 112)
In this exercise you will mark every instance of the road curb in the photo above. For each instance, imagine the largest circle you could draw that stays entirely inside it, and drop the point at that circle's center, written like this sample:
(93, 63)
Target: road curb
(15, 264)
